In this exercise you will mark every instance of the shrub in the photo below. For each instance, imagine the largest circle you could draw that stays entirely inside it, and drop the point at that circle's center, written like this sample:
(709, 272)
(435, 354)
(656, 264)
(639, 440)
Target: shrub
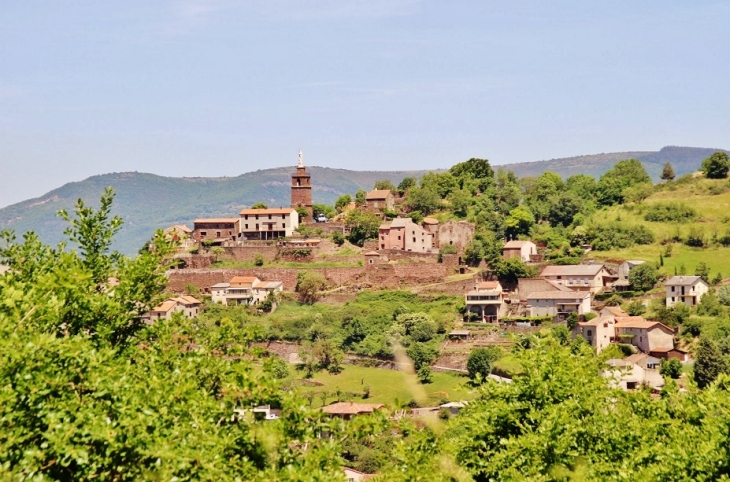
(338, 238)
(695, 238)
(424, 374)
(258, 260)
(670, 212)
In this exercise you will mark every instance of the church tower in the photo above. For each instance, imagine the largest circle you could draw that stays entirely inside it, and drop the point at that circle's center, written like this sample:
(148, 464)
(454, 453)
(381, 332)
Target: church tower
(301, 188)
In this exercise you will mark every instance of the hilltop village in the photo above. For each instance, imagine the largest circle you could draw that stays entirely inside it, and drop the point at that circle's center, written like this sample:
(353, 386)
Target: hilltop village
(378, 240)
(454, 323)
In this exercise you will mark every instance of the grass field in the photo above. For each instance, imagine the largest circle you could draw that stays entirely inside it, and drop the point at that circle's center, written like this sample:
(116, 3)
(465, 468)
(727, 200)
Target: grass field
(713, 218)
(390, 387)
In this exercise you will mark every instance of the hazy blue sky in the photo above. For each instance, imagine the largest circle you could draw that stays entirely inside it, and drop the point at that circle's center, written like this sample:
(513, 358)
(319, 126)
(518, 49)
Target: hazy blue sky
(221, 87)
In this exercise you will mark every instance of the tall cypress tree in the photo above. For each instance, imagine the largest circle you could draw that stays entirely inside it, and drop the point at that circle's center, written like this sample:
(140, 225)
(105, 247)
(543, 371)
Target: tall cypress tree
(667, 172)
(709, 364)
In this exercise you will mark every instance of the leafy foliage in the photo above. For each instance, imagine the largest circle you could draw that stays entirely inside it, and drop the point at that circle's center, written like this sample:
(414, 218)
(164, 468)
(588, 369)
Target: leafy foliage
(717, 165)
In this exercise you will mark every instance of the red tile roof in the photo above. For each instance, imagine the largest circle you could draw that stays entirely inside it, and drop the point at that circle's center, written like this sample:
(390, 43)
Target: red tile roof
(216, 220)
(349, 408)
(378, 194)
(243, 280)
(267, 211)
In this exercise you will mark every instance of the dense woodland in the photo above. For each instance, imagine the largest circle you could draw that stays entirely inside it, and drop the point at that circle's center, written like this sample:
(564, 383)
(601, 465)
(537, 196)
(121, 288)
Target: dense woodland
(89, 392)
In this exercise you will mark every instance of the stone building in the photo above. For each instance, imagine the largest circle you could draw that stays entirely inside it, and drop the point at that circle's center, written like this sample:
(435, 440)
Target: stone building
(216, 230)
(519, 249)
(404, 234)
(379, 199)
(301, 188)
(455, 233)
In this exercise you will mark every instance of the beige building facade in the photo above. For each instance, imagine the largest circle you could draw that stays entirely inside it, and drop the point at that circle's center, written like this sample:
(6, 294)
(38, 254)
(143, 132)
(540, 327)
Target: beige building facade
(579, 277)
(265, 224)
(685, 289)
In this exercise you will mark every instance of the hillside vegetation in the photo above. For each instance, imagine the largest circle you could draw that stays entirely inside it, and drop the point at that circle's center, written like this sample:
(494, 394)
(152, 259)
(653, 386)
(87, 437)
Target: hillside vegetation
(147, 202)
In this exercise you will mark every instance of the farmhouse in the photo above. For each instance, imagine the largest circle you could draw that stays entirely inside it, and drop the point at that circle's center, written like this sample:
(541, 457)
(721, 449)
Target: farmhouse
(244, 290)
(264, 224)
(644, 335)
(379, 199)
(580, 277)
(558, 304)
(486, 301)
(348, 410)
(216, 230)
(685, 289)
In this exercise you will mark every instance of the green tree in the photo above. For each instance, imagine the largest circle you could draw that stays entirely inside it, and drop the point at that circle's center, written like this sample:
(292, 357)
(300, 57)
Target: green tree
(338, 238)
(723, 294)
(440, 183)
(460, 201)
(510, 270)
(703, 271)
(259, 205)
(424, 200)
(638, 193)
(386, 185)
(363, 225)
(667, 172)
(643, 277)
(563, 207)
(424, 374)
(716, 166)
(613, 182)
(671, 368)
(310, 285)
(406, 184)
(323, 209)
(519, 221)
(475, 173)
(480, 361)
(709, 363)
(342, 202)
(360, 197)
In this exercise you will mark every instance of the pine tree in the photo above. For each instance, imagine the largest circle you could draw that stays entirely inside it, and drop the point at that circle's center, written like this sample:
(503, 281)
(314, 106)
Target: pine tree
(709, 363)
(667, 172)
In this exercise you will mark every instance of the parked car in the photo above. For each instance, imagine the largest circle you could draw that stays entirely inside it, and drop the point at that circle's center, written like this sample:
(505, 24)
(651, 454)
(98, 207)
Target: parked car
(320, 218)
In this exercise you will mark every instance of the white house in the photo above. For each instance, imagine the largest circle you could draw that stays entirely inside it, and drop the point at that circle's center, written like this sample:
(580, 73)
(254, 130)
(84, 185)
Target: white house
(264, 224)
(685, 289)
(598, 332)
(558, 304)
(244, 290)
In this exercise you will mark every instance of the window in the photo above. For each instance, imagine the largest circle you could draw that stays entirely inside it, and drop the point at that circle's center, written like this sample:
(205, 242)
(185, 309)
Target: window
(257, 226)
(589, 333)
(414, 240)
(246, 226)
(560, 277)
(257, 217)
(269, 216)
(283, 225)
(283, 216)
(217, 234)
(398, 238)
(245, 216)
(204, 233)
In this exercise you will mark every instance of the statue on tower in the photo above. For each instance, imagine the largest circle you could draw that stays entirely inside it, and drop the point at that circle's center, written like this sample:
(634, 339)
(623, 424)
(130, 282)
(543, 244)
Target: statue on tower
(301, 159)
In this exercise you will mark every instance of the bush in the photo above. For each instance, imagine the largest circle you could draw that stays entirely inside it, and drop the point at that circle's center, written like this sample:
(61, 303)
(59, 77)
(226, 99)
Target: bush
(670, 212)
(338, 238)
(258, 260)
(424, 374)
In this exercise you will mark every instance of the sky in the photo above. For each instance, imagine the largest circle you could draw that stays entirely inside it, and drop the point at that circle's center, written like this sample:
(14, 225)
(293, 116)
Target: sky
(223, 87)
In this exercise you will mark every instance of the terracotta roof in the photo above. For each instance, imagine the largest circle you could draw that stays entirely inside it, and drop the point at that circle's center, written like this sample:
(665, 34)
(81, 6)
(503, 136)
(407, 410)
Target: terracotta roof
(221, 285)
(558, 295)
(267, 285)
(616, 311)
(187, 300)
(638, 322)
(666, 350)
(430, 221)
(267, 211)
(489, 285)
(166, 306)
(216, 220)
(378, 194)
(597, 321)
(349, 408)
(636, 357)
(371, 253)
(243, 280)
(516, 244)
(572, 270)
(682, 280)
(179, 227)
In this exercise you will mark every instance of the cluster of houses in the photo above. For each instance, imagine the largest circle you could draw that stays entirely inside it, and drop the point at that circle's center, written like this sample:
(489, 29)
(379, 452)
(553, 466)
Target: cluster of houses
(188, 306)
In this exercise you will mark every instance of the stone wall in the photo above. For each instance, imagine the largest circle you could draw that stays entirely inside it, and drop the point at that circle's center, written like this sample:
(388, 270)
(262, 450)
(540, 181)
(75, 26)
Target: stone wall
(384, 276)
(248, 253)
(399, 254)
(455, 233)
(205, 278)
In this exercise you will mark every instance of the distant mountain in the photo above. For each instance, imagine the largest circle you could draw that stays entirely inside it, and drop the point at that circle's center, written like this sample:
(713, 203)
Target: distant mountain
(147, 202)
(683, 159)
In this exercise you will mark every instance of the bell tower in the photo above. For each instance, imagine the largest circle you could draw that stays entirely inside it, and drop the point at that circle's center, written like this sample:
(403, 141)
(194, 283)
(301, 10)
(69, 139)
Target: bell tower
(301, 188)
